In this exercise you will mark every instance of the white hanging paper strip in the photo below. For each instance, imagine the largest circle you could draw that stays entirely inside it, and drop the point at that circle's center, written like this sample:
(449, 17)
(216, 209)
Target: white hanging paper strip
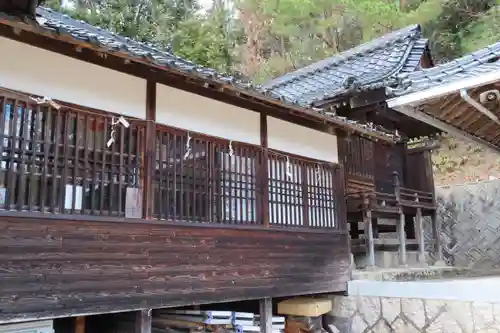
(68, 197)
(133, 203)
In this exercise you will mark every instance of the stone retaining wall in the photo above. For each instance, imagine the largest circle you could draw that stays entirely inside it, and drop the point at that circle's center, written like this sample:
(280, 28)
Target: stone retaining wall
(470, 220)
(359, 314)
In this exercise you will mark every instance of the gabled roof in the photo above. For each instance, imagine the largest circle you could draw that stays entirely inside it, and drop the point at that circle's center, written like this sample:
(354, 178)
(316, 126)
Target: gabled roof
(473, 65)
(448, 96)
(368, 66)
(63, 28)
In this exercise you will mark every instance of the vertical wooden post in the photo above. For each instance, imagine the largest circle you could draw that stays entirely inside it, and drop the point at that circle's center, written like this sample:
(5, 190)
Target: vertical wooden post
(419, 232)
(402, 238)
(305, 200)
(80, 324)
(149, 150)
(375, 227)
(264, 173)
(400, 226)
(341, 213)
(397, 186)
(266, 315)
(143, 320)
(438, 246)
(368, 228)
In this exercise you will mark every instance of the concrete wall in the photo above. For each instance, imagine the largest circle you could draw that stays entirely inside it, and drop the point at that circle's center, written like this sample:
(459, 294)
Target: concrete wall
(358, 314)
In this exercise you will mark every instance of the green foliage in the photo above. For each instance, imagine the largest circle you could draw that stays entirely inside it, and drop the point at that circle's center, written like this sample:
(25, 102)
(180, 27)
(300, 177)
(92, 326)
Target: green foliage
(453, 23)
(484, 31)
(205, 40)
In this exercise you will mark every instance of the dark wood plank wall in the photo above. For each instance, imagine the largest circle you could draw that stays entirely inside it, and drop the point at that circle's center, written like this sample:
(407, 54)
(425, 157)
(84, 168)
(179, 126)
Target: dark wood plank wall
(61, 267)
(419, 174)
(370, 166)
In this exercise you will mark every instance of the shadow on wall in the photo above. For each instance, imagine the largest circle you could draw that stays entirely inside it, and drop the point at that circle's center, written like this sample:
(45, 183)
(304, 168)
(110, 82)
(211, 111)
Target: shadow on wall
(470, 221)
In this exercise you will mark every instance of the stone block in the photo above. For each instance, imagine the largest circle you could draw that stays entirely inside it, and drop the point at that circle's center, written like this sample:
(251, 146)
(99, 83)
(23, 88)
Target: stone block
(370, 309)
(413, 310)
(343, 306)
(391, 308)
(482, 315)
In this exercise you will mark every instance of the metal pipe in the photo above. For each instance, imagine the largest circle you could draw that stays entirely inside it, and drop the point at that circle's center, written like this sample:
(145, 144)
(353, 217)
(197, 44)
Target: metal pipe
(466, 97)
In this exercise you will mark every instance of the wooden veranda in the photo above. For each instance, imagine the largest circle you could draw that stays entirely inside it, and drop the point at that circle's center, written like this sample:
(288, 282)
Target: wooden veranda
(389, 189)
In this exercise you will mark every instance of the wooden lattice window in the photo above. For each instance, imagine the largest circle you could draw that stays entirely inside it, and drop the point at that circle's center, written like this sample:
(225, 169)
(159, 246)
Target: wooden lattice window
(55, 160)
(201, 181)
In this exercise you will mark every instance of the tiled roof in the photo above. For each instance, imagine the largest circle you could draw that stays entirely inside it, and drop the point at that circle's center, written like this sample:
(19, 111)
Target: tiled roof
(369, 66)
(477, 63)
(80, 30)
(60, 26)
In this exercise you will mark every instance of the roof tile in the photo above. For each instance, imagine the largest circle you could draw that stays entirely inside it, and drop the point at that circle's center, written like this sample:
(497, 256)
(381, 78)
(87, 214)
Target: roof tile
(368, 66)
(471, 65)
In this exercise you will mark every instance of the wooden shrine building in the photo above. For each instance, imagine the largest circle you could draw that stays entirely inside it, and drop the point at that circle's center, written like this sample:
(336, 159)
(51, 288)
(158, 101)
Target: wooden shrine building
(384, 182)
(132, 179)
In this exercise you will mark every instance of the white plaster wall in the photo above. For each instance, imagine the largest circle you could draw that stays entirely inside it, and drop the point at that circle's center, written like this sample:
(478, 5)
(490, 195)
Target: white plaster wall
(40, 72)
(196, 113)
(301, 140)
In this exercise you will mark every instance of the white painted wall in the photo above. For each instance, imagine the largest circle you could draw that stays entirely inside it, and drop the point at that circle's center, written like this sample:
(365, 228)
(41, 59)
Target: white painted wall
(302, 141)
(196, 113)
(37, 71)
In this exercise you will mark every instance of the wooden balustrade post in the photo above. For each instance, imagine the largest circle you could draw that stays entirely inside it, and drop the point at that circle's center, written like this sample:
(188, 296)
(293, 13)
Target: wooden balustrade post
(438, 246)
(401, 224)
(419, 232)
(368, 229)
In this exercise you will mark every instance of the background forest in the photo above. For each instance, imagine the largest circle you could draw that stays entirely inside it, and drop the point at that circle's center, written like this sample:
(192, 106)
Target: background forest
(261, 39)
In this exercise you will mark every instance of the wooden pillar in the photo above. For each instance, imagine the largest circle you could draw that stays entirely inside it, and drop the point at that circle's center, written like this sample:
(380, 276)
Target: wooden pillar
(263, 205)
(368, 228)
(419, 233)
(340, 199)
(266, 315)
(402, 238)
(149, 150)
(375, 228)
(80, 324)
(143, 320)
(436, 232)
(400, 226)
